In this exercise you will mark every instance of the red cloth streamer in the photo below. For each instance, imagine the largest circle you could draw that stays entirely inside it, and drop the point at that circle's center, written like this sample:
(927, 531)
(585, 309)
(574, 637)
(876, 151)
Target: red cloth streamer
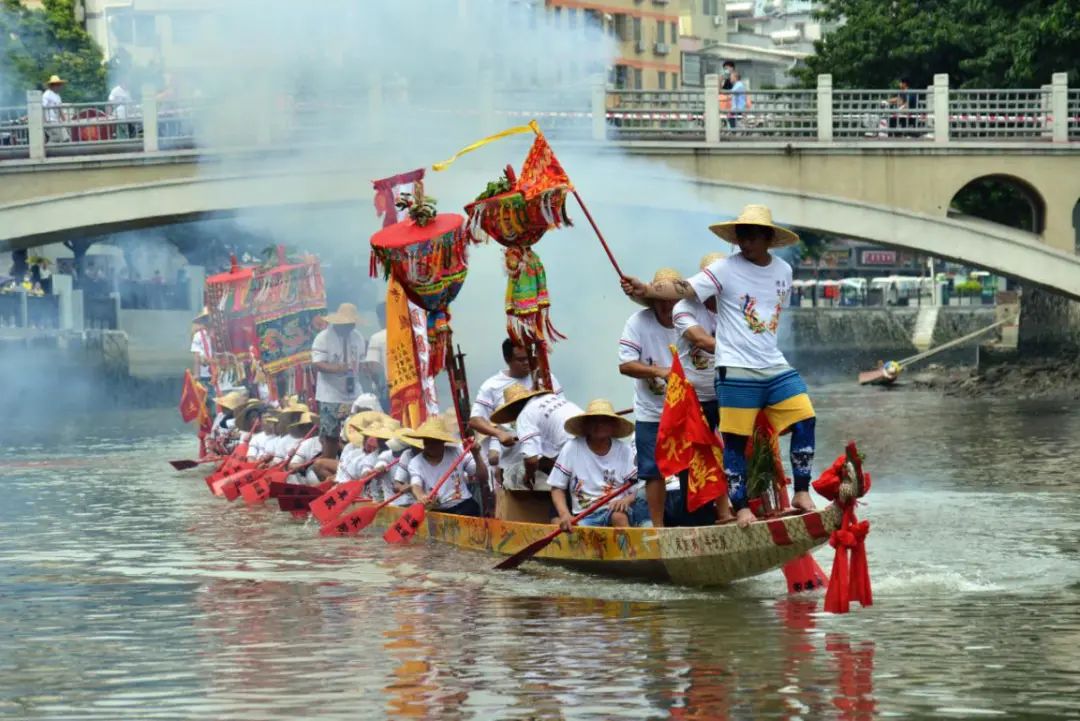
(850, 577)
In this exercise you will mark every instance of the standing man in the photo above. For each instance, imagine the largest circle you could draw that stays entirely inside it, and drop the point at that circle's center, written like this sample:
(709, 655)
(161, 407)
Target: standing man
(119, 98)
(202, 352)
(751, 289)
(376, 358)
(490, 396)
(645, 356)
(695, 322)
(336, 354)
(51, 101)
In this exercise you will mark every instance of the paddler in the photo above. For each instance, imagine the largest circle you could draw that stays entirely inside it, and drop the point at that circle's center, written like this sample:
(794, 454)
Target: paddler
(645, 356)
(308, 448)
(350, 462)
(247, 418)
(751, 288)
(337, 354)
(594, 463)
(539, 417)
(380, 435)
(287, 416)
(490, 396)
(221, 431)
(396, 479)
(440, 451)
(259, 447)
(695, 323)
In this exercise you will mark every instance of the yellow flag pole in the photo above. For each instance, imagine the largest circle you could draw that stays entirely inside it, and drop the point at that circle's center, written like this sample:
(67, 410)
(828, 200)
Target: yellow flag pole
(517, 130)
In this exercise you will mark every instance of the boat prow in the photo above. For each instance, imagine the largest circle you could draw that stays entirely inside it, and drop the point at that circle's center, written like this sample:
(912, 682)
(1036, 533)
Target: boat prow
(689, 556)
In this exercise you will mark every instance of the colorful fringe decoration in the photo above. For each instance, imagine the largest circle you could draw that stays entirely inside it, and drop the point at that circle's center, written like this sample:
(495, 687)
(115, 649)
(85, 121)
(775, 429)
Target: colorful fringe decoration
(527, 302)
(850, 577)
(430, 262)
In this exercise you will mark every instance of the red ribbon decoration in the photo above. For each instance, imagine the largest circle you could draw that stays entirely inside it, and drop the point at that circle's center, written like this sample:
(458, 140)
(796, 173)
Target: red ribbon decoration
(850, 577)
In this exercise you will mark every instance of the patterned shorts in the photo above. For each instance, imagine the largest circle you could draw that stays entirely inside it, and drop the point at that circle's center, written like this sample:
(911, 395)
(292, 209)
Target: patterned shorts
(742, 392)
(331, 417)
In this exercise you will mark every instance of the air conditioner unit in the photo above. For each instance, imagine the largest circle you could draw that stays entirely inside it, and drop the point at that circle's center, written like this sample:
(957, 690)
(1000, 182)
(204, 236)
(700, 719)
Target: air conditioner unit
(639, 46)
(660, 48)
(717, 20)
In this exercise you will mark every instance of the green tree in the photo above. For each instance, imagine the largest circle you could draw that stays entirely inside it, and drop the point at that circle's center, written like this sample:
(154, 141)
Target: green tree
(35, 44)
(979, 43)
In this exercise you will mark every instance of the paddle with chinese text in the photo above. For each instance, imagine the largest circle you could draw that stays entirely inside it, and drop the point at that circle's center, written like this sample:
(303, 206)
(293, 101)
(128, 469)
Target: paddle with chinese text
(536, 546)
(333, 503)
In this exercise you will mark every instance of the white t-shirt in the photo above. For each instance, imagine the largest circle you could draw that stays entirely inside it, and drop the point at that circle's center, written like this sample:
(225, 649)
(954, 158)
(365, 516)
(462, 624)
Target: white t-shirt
(540, 425)
(120, 97)
(330, 346)
(200, 343)
(749, 301)
(644, 339)
(308, 449)
(490, 397)
(257, 446)
(344, 460)
(376, 350)
(456, 488)
(284, 447)
(50, 100)
(589, 476)
(400, 474)
(699, 364)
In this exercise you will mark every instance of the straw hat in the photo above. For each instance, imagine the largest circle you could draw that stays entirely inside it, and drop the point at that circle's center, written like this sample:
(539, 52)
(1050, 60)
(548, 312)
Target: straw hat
(359, 424)
(662, 274)
(402, 435)
(252, 407)
(599, 408)
(710, 258)
(306, 419)
(432, 429)
(231, 400)
(346, 314)
(514, 399)
(54, 80)
(756, 215)
(384, 430)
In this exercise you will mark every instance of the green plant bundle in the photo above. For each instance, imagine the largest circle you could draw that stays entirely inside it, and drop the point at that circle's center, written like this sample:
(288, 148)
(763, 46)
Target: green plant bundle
(496, 187)
(421, 208)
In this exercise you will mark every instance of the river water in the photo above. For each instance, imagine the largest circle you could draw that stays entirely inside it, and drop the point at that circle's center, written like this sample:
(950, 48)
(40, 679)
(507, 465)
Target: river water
(127, 591)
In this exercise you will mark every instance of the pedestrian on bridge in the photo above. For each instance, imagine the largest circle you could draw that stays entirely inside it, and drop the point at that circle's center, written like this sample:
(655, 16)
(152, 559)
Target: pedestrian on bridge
(54, 115)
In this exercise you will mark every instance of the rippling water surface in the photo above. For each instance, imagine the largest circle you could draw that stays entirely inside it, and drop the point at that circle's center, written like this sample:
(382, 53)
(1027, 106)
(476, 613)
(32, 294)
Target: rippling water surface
(127, 591)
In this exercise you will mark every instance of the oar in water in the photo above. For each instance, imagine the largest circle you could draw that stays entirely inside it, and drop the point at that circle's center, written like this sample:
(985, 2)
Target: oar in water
(405, 526)
(185, 465)
(538, 545)
(298, 497)
(333, 503)
(263, 476)
(271, 483)
(352, 523)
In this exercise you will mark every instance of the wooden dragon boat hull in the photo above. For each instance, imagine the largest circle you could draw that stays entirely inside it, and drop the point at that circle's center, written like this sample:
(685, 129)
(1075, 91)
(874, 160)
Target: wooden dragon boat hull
(696, 556)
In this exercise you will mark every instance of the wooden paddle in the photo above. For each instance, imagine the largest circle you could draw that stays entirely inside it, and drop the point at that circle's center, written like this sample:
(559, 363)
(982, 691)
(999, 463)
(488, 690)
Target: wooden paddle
(405, 526)
(333, 503)
(352, 523)
(260, 478)
(536, 546)
(185, 465)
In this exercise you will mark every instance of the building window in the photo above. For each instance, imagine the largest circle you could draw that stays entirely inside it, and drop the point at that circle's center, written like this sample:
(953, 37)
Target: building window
(637, 31)
(660, 31)
(674, 81)
(637, 78)
(557, 14)
(661, 79)
(571, 18)
(674, 33)
(621, 77)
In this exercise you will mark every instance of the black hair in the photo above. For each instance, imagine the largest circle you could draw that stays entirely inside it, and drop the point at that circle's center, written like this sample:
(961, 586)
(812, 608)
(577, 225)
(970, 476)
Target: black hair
(745, 229)
(508, 346)
(728, 64)
(905, 80)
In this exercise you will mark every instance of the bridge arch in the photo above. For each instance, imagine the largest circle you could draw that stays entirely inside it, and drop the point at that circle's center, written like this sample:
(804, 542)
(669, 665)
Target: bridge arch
(1001, 198)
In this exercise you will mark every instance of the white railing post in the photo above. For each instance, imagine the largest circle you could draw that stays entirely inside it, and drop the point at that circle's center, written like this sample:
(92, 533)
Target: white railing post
(1059, 106)
(712, 109)
(149, 119)
(599, 108)
(824, 108)
(35, 124)
(940, 101)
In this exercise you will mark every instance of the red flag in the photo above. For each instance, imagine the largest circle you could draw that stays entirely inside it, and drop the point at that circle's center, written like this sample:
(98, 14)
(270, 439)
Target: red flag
(684, 441)
(192, 398)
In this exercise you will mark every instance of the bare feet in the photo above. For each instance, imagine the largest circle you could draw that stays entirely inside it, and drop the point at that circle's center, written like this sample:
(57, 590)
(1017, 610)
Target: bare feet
(745, 517)
(802, 501)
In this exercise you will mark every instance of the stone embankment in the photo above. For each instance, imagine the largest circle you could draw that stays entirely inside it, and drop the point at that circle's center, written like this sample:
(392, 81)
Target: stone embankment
(1057, 378)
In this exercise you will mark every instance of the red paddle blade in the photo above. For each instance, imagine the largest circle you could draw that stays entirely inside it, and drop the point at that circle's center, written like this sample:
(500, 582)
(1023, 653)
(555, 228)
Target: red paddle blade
(352, 523)
(230, 485)
(331, 504)
(404, 528)
(528, 552)
(256, 492)
(804, 574)
(294, 503)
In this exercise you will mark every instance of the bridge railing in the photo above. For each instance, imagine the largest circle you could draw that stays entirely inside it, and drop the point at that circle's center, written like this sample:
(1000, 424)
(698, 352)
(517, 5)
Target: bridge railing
(1074, 115)
(887, 114)
(1012, 114)
(14, 132)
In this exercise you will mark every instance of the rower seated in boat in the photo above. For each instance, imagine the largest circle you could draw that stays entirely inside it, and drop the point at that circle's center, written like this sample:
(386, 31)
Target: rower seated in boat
(349, 462)
(441, 450)
(377, 433)
(539, 417)
(286, 442)
(594, 462)
(260, 445)
(222, 430)
(309, 448)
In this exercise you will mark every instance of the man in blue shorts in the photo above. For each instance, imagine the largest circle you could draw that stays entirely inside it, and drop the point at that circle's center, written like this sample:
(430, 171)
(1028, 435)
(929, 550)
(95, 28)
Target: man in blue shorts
(751, 288)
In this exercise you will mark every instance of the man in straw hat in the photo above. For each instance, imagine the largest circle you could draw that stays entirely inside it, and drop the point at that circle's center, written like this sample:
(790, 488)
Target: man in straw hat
(201, 350)
(518, 370)
(441, 449)
(539, 418)
(336, 354)
(52, 102)
(645, 356)
(751, 289)
(594, 463)
(695, 323)
(224, 422)
(307, 449)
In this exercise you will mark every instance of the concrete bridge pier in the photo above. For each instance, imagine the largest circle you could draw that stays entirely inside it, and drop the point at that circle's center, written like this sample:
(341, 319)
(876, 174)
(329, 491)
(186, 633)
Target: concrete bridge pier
(1049, 325)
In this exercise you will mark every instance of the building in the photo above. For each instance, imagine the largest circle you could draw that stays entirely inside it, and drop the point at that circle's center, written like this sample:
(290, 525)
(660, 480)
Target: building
(649, 35)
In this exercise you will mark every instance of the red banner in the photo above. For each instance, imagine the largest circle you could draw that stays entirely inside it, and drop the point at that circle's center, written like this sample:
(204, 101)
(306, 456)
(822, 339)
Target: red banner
(686, 442)
(192, 400)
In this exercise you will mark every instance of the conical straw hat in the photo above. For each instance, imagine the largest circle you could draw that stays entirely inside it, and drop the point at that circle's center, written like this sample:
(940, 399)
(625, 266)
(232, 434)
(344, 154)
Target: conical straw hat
(756, 215)
(231, 400)
(710, 258)
(346, 314)
(432, 429)
(384, 430)
(514, 398)
(662, 274)
(306, 419)
(599, 408)
(402, 434)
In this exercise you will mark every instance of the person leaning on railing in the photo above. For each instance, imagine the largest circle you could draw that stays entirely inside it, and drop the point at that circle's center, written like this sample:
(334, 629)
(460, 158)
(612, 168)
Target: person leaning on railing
(54, 113)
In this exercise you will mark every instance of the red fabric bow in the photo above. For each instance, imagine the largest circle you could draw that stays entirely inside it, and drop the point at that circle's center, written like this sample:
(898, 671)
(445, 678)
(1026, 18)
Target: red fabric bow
(850, 577)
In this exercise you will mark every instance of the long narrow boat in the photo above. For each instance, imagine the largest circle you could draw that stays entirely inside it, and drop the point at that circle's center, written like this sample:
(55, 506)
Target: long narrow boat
(688, 556)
